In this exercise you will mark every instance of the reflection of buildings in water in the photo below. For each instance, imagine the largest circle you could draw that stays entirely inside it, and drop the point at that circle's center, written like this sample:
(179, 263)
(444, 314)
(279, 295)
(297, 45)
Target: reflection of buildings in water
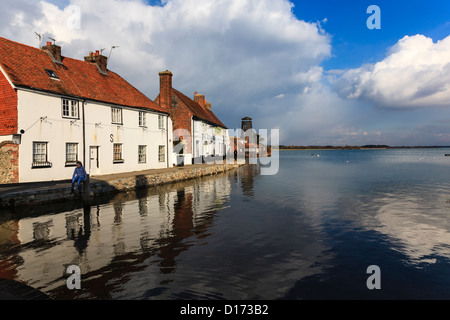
(249, 172)
(41, 230)
(143, 207)
(9, 238)
(72, 225)
(173, 245)
(118, 210)
(194, 210)
(123, 235)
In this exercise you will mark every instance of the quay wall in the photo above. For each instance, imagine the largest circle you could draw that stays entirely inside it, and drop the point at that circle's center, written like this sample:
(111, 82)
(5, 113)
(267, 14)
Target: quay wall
(98, 186)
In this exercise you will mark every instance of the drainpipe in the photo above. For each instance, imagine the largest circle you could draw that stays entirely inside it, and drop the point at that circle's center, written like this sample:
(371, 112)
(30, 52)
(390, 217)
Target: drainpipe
(84, 134)
(167, 140)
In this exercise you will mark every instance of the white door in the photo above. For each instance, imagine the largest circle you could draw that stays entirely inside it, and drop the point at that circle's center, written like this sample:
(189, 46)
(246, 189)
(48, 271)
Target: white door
(94, 167)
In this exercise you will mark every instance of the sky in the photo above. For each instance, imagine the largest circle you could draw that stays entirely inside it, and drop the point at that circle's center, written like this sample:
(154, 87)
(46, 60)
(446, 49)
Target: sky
(312, 69)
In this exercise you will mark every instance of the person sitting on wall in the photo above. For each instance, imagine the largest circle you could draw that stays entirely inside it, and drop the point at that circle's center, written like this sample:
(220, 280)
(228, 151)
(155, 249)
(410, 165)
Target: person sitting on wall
(79, 176)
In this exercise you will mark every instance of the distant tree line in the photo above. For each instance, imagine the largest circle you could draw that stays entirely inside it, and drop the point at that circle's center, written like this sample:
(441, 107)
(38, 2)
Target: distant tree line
(369, 146)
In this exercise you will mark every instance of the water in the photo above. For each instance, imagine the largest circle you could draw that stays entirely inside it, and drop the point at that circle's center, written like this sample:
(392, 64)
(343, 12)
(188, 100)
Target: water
(309, 232)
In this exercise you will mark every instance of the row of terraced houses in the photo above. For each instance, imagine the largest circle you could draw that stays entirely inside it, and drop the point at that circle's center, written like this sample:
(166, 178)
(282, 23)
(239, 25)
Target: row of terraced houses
(55, 111)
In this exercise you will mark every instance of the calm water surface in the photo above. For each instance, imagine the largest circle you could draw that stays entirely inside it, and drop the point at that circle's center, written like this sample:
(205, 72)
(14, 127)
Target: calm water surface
(309, 232)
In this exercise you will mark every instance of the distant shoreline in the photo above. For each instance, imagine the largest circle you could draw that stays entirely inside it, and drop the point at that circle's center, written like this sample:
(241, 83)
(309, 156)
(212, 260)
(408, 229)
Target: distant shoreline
(316, 148)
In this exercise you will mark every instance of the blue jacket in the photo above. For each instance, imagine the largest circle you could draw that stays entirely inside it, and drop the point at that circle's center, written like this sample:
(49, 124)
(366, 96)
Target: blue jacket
(80, 172)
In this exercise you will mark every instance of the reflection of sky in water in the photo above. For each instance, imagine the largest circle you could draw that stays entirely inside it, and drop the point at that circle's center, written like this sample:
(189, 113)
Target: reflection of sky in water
(308, 232)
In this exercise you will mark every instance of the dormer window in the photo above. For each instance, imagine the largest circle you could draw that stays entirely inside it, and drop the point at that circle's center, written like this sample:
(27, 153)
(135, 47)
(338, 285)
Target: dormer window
(51, 74)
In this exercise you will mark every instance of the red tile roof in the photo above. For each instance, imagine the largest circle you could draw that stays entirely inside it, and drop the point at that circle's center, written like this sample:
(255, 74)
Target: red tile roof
(198, 111)
(25, 66)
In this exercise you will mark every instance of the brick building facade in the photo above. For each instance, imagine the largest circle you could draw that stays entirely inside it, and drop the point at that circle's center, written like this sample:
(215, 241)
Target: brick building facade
(8, 110)
(192, 119)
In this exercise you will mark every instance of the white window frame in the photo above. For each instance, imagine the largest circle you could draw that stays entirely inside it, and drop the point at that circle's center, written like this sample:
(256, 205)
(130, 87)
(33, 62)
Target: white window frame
(70, 108)
(161, 122)
(116, 160)
(116, 115)
(40, 155)
(71, 162)
(143, 119)
(162, 154)
(142, 154)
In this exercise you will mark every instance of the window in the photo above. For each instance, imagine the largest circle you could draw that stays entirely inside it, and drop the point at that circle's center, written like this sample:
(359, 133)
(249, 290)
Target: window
(142, 154)
(70, 108)
(142, 119)
(51, 74)
(161, 123)
(40, 155)
(118, 153)
(116, 115)
(71, 154)
(162, 153)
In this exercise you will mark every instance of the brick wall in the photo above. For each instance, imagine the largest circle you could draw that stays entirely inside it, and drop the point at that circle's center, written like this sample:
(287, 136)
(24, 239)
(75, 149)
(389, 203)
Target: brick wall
(181, 119)
(8, 108)
(9, 162)
(179, 113)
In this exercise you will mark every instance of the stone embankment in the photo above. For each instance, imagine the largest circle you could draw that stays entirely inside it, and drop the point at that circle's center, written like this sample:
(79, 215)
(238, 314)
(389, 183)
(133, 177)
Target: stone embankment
(40, 193)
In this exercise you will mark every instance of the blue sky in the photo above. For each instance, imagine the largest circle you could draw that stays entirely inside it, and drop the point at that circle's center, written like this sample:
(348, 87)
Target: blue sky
(314, 70)
(354, 44)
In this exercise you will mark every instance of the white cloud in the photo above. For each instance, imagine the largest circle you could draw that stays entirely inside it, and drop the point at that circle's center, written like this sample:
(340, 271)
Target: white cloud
(243, 48)
(239, 53)
(250, 58)
(415, 73)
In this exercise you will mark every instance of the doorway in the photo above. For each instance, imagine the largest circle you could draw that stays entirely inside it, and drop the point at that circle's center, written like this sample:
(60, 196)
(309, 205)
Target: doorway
(94, 165)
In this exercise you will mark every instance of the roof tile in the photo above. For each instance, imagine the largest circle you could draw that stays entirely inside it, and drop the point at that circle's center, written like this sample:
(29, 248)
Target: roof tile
(198, 111)
(25, 68)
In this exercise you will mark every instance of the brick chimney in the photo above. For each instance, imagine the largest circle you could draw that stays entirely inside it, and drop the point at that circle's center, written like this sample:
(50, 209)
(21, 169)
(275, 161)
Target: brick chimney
(165, 89)
(54, 50)
(200, 99)
(100, 60)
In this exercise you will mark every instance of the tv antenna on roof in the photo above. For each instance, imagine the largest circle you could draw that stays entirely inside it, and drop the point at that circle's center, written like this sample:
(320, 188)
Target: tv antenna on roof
(101, 51)
(112, 48)
(54, 40)
(40, 39)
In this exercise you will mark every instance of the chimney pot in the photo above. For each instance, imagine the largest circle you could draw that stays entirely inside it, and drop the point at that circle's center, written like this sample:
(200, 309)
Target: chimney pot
(49, 43)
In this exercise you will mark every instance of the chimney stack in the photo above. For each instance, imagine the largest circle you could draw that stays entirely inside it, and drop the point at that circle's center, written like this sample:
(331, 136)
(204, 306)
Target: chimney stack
(100, 60)
(54, 50)
(200, 99)
(208, 106)
(165, 89)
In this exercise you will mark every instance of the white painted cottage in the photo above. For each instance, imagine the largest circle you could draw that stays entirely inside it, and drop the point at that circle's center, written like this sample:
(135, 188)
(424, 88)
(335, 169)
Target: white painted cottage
(56, 110)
